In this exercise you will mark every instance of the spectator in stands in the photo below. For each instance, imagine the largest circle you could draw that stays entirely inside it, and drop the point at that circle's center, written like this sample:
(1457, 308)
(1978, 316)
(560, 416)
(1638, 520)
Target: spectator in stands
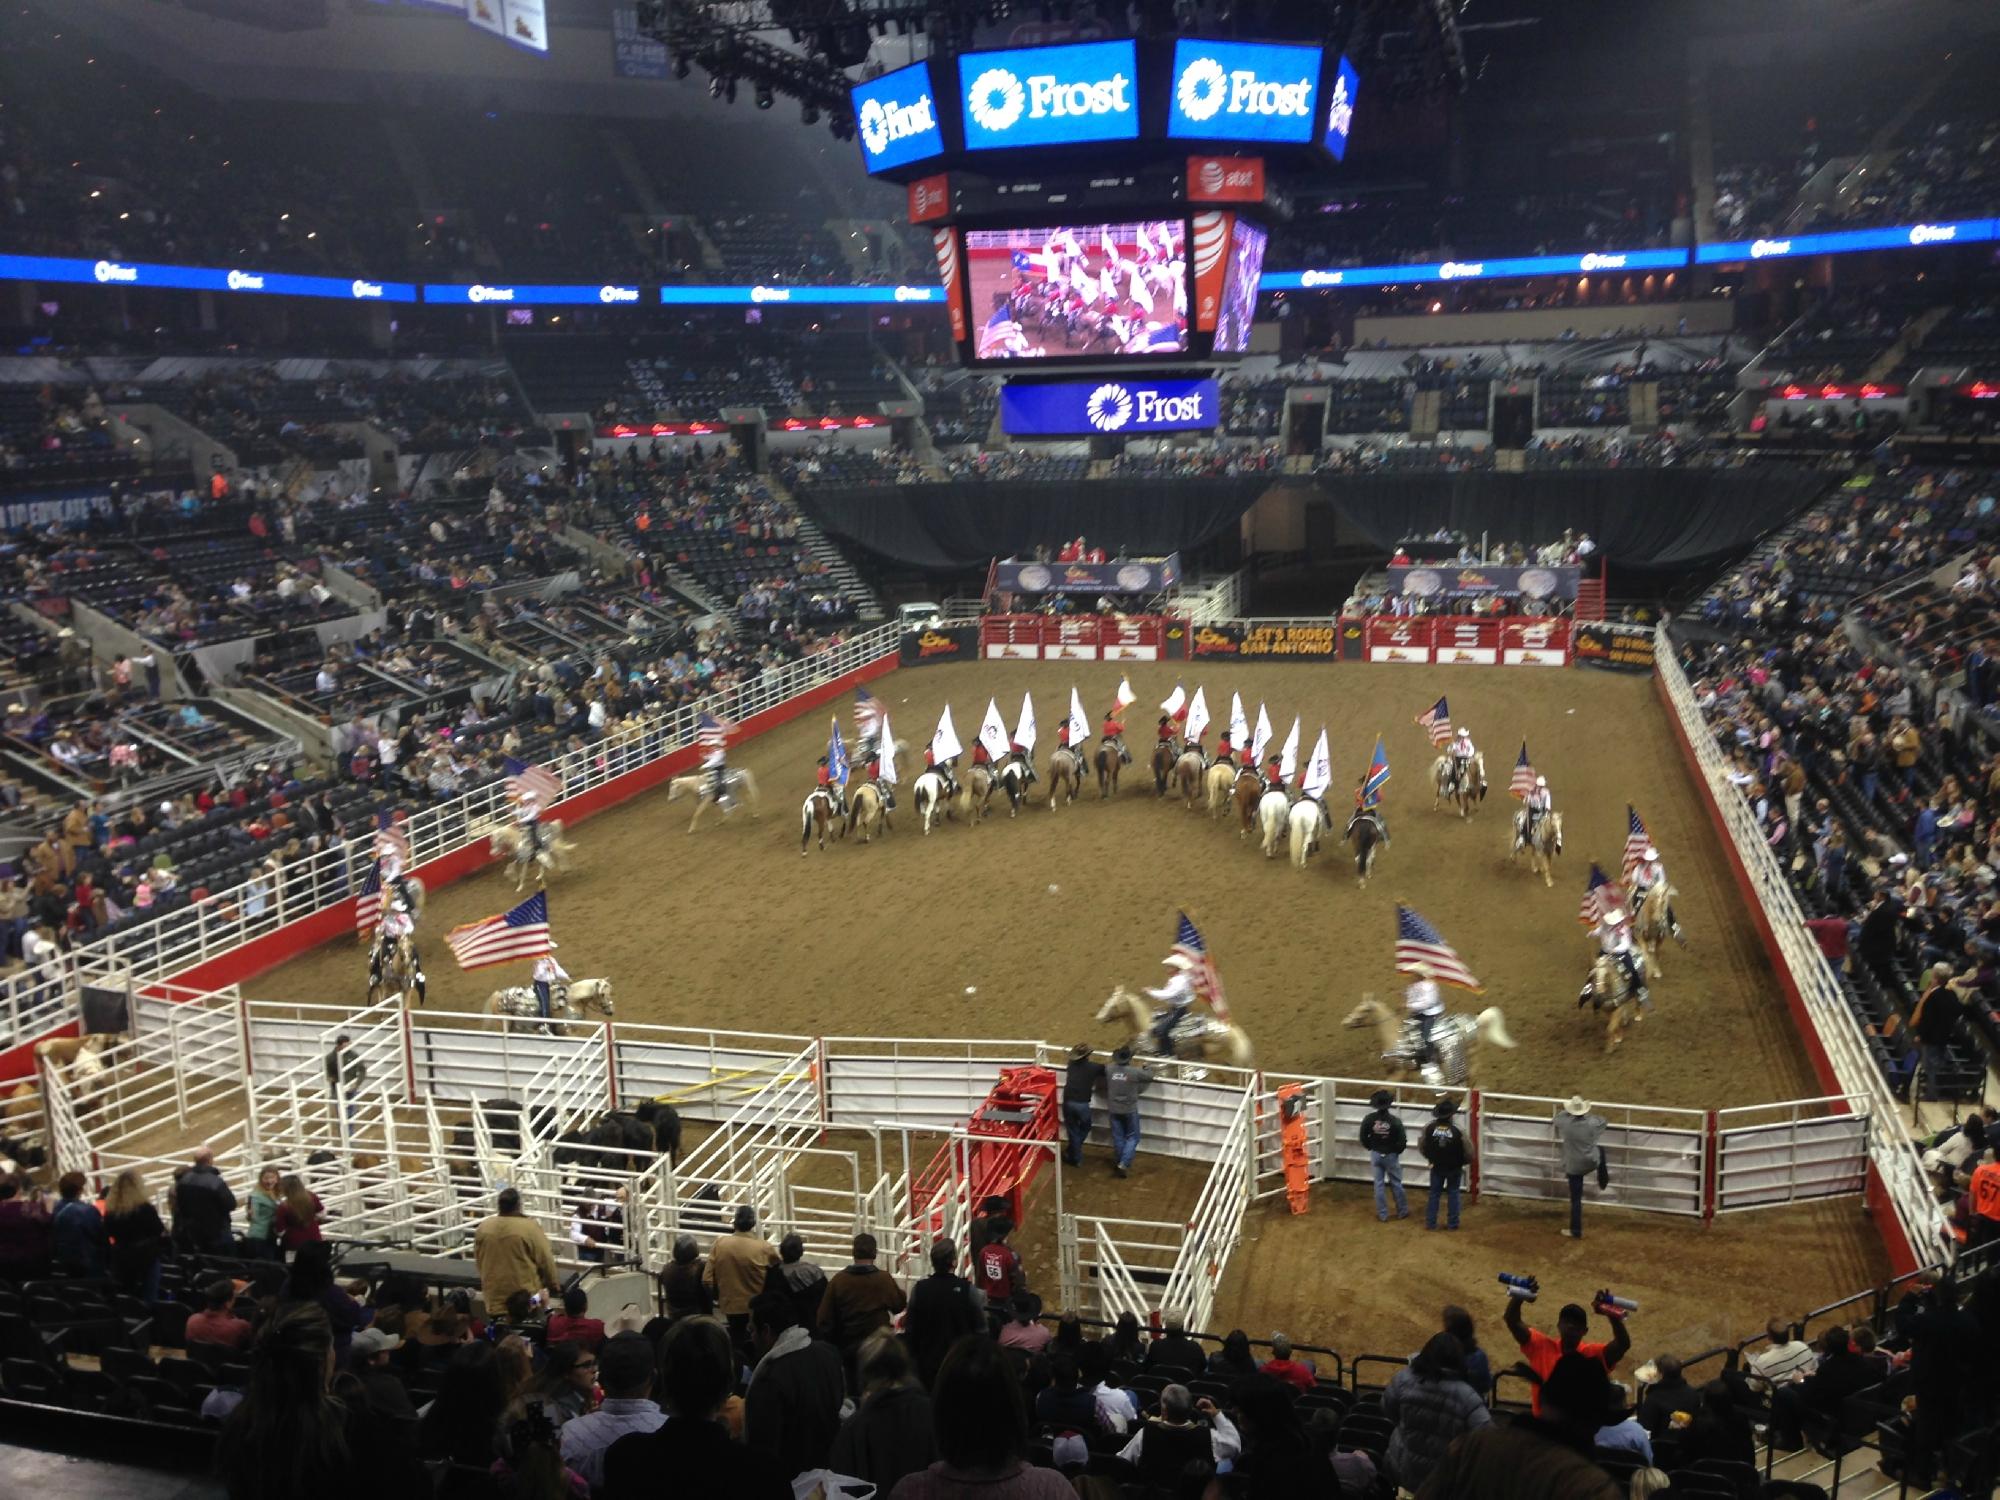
(997, 1272)
(1433, 1406)
(24, 1230)
(1478, 1369)
(297, 1220)
(1234, 1360)
(1278, 1460)
(574, 1323)
(1669, 1393)
(800, 1279)
(944, 1307)
(1185, 1432)
(1024, 1331)
(1572, 1323)
(138, 1237)
(76, 1229)
(739, 1267)
(203, 1205)
(260, 1235)
(625, 1368)
(859, 1300)
(890, 1433)
(1543, 1455)
(791, 1409)
(217, 1322)
(566, 1388)
(683, 1285)
(697, 1373)
(512, 1254)
(1065, 1404)
(1622, 1432)
(463, 1423)
(1789, 1359)
(311, 1280)
(1175, 1351)
(1281, 1365)
(982, 1434)
(1840, 1373)
(368, 1360)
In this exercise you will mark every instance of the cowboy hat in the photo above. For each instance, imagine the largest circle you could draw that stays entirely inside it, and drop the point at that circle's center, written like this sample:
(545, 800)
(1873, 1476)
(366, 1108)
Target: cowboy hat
(1178, 961)
(1444, 1109)
(1651, 852)
(1541, 781)
(1381, 1098)
(1079, 1052)
(1614, 916)
(1577, 1106)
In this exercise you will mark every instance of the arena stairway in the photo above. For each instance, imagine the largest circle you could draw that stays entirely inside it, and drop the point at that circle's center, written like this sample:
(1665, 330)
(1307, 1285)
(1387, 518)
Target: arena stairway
(867, 603)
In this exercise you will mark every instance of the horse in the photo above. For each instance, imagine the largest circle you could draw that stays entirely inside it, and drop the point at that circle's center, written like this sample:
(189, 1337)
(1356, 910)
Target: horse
(510, 840)
(1218, 782)
(1307, 820)
(1185, 777)
(1447, 783)
(737, 785)
(1205, 1040)
(568, 999)
(1543, 847)
(1065, 776)
(1366, 834)
(975, 790)
(1163, 766)
(1245, 791)
(397, 973)
(1454, 1041)
(929, 797)
(1110, 757)
(868, 811)
(816, 815)
(415, 893)
(1274, 808)
(1650, 927)
(1013, 780)
(1608, 990)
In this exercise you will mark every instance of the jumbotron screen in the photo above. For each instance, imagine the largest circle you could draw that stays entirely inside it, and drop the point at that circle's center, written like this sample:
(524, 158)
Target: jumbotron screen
(1239, 287)
(1088, 291)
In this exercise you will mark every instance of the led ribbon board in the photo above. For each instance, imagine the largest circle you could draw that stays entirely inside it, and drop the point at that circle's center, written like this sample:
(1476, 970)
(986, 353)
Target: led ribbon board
(1079, 408)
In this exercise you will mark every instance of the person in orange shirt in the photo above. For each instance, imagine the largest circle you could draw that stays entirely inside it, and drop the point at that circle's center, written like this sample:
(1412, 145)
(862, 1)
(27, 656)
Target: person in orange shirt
(1572, 1323)
(1985, 1197)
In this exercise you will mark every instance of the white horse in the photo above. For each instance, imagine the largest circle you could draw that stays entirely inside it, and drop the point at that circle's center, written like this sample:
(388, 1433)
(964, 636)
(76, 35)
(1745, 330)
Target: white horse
(1544, 847)
(510, 840)
(929, 797)
(1308, 821)
(1273, 809)
(818, 811)
(1650, 927)
(1455, 1040)
(737, 784)
(1199, 1038)
(1445, 782)
(568, 999)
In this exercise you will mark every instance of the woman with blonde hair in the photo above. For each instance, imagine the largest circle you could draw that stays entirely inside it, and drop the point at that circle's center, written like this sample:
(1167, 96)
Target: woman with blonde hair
(1649, 1482)
(298, 1217)
(138, 1236)
(261, 1235)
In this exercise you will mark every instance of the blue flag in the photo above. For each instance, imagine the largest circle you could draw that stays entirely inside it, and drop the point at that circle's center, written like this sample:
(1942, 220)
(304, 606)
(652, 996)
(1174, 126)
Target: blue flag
(1377, 778)
(836, 756)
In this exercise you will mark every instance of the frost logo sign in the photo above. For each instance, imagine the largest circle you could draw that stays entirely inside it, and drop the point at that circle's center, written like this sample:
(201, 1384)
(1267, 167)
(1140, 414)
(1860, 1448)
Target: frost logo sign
(1109, 408)
(1049, 96)
(1080, 408)
(896, 118)
(1243, 91)
(882, 123)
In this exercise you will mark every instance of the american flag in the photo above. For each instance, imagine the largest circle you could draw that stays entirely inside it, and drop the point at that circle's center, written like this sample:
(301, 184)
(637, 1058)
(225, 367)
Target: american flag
(1377, 778)
(1436, 722)
(520, 933)
(539, 782)
(1207, 983)
(711, 733)
(390, 836)
(1524, 774)
(1635, 843)
(867, 714)
(368, 907)
(1417, 942)
(1599, 897)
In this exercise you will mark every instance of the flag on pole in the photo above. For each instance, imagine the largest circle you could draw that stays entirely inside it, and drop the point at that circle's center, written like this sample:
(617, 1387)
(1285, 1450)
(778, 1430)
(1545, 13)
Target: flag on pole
(868, 715)
(539, 782)
(1319, 770)
(1079, 726)
(1262, 737)
(1377, 778)
(391, 838)
(886, 753)
(1197, 714)
(1417, 942)
(1635, 843)
(944, 739)
(1239, 727)
(1024, 727)
(1435, 721)
(1126, 697)
(1288, 758)
(1599, 897)
(1524, 774)
(711, 733)
(993, 732)
(836, 757)
(368, 906)
(1175, 702)
(1207, 983)
(520, 933)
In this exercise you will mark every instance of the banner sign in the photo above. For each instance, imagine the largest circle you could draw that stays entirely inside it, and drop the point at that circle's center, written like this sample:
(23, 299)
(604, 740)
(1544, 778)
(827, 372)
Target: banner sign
(200, 279)
(933, 643)
(1289, 642)
(1078, 408)
(896, 118)
(71, 507)
(1225, 179)
(1627, 648)
(634, 54)
(1446, 579)
(1844, 241)
(1586, 264)
(1243, 91)
(1049, 96)
(1534, 642)
(1464, 640)
(929, 198)
(1398, 638)
(1224, 638)
(1122, 575)
(758, 296)
(566, 295)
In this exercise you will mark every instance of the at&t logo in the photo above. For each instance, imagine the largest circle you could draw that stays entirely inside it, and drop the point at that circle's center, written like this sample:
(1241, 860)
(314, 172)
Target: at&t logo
(1206, 91)
(1109, 408)
(998, 99)
(882, 123)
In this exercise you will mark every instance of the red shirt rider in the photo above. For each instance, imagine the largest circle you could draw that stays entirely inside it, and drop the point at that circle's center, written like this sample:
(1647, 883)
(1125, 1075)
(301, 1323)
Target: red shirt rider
(1113, 726)
(1274, 772)
(1062, 735)
(930, 758)
(979, 755)
(1224, 750)
(1018, 748)
(1248, 760)
(1166, 730)
(824, 775)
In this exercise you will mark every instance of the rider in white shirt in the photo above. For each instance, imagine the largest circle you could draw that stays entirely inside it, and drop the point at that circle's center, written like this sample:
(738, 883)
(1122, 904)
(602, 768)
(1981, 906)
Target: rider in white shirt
(715, 761)
(1614, 941)
(547, 972)
(1177, 995)
(1462, 753)
(1539, 801)
(396, 924)
(528, 814)
(1649, 872)
(1425, 1002)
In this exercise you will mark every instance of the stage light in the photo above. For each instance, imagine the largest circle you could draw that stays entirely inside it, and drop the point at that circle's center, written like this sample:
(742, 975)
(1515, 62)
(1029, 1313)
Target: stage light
(765, 98)
(715, 86)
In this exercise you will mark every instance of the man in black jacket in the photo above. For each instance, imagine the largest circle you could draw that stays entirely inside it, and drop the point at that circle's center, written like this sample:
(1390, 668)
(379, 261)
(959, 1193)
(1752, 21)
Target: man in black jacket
(1667, 1395)
(1841, 1373)
(943, 1309)
(1175, 1352)
(791, 1410)
(1383, 1138)
(1443, 1146)
(202, 1206)
(1080, 1080)
(1881, 928)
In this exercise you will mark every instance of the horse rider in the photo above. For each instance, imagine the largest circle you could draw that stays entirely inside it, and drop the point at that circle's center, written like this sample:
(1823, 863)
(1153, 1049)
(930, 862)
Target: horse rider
(396, 925)
(943, 768)
(389, 875)
(871, 762)
(1177, 997)
(1193, 742)
(547, 973)
(716, 763)
(1462, 751)
(1113, 734)
(1424, 1003)
(1274, 774)
(1225, 751)
(1247, 761)
(835, 793)
(1646, 874)
(1614, 941)
(528, 817)
(1165, 733)
(1021, 753)
(1364, 808)
(1539, 802)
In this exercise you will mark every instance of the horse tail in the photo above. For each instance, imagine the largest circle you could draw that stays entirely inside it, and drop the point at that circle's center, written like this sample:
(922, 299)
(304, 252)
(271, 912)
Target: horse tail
(1493, 1027)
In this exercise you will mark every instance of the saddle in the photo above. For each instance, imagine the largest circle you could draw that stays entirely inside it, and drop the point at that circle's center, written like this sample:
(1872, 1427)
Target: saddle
(1188, 1032)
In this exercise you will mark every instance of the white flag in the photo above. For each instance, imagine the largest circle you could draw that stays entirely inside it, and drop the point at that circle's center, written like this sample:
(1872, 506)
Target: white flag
(1126, 696)
(993, 732)
(1174, 701)
(1263, 737)
(1288, 758)
(886, 770)
(1319, 770)
(1197, 719)
(1024, 730)
(1239, 727)
(1079, 726)
(944, 743)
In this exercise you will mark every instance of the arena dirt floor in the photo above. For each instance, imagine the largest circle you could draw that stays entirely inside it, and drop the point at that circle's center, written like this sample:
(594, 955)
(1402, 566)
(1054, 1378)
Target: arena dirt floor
(1020, 928)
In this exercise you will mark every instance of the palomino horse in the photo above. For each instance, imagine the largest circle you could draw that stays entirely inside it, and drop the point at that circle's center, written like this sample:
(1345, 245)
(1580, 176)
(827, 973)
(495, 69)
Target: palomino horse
(1274, 808)
(1650, 927)
(1447, 784)
(1454, 1041)
(568, 999)
(737, 784)
(1065, 776)
(929, 795)
(1185, 778)
(1543, 847)
(398, 973)
(975, 790)
(1110, 757)
(1308, 820)
(1611, 992)
(511, 840)
(1217, 782)
(1366, 834)
(818, 815)
(867, 811)
(1163, 766)
(1209, 1040)
(1246, 791)
(1013, 780)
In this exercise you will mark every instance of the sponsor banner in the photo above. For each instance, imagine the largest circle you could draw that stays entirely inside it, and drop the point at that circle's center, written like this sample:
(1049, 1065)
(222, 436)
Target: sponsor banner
(1121, 651)
(896, 118)
(1844, 241)
(1445, 579)
(1225, 179)
(485, 14)
(949, 245)
(930, 198)
(528, 24)
(634, 54)
(1049, 96)
(805, 296)
(1586, 264)
(1625, 648)
(1512, 657)
(71, 507)
(1221, 639)
(1210, 239)
(949, 643)
(1529, 641)
(1392, 638)
(1459, 641)
(1012, 651)
(1289, 642)
(1339, 120)
(201, 278)
(566, 294)
(1353, 640)
(1071, 639)
(1122, 575)
(1078, 408)
(1243, 91)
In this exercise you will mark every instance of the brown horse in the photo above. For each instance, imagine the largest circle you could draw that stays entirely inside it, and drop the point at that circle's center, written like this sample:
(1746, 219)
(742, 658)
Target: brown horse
(1163, 766)
(1109, 758)
(818, 816)
(1186, 778)
(1249, 790)
(1065, 776)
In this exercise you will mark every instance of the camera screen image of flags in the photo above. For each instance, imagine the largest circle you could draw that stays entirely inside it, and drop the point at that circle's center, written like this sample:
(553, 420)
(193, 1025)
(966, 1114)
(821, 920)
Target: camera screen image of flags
(539, 782)
(368, 906)
(1599, 897)
(1378, 776)
(517, 934)
(836, 756)
(1435, 721)
(1207, 983)
(1417, 942)
(1524, 774)
(1635, 843)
